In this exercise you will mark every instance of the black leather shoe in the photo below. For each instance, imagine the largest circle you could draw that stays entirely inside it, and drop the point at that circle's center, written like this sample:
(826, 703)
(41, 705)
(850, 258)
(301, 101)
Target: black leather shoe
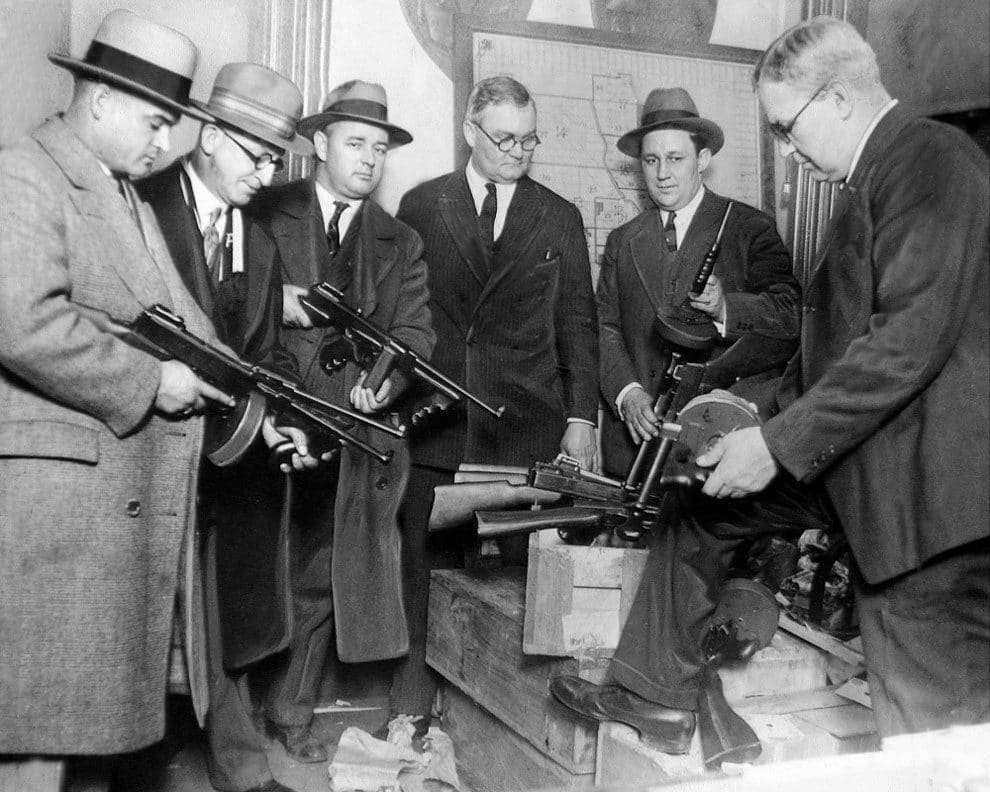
(665, 729)
(299, 742)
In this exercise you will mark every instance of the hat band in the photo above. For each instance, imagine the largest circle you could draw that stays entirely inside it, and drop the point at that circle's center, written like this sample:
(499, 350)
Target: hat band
(169, 84)
(660, 116)
(360, 107)
(227, 102)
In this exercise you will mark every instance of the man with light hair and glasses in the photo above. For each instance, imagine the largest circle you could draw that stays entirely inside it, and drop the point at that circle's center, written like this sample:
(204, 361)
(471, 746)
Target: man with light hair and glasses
(513, 309)
(886, 401)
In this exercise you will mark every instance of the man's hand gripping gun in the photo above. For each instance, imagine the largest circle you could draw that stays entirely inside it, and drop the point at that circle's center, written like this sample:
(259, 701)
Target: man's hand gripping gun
(256, 391)
(364, 343)
(582, 504)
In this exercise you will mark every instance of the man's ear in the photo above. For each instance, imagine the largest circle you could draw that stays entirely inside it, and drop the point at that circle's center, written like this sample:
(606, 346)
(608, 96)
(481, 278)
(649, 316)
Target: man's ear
(840, 93)
(209, 138)
(99, 100)
(704, 159)
(470, 132)
(320, 143)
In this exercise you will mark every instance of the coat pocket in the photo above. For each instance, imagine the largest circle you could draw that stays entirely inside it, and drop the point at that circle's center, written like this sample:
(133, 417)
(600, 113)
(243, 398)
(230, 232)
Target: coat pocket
(49, 440)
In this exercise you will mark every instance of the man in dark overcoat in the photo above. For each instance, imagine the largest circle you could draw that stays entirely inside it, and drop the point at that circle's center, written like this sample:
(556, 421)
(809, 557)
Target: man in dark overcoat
(345, 535)
(651, 261)
(99, 442)
(231, 265)
(513, 307)
(884, 406)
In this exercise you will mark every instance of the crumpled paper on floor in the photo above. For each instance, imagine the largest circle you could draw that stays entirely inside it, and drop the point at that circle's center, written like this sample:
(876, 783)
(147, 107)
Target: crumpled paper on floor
(363, 763)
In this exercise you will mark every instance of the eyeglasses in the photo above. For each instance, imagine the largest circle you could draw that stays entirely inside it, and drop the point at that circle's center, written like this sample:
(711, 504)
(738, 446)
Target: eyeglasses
(261, 161)
(783, 131)
(506, 144)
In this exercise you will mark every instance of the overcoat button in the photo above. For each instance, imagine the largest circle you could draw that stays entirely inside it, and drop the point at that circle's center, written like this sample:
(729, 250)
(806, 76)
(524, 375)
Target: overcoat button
(381, 483)
(133, 508)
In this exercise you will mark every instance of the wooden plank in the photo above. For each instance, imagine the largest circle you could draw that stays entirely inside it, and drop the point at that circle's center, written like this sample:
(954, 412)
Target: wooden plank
(474, 639)
(561, 580)
(32, 774)
(491, 758)
(822, 640)
(623, 762)
(787, 665)
(783, 704)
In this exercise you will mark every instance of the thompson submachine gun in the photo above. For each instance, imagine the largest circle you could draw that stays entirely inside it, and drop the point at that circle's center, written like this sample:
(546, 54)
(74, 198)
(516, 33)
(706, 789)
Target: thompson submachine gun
(584, 504)
(364, 343)
(255, 390)
(685, 326)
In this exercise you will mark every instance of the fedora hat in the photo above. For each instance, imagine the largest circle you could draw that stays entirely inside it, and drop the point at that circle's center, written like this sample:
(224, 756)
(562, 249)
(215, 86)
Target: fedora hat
(356, 100)
(671, 108)
(141, 56)
(260, 102)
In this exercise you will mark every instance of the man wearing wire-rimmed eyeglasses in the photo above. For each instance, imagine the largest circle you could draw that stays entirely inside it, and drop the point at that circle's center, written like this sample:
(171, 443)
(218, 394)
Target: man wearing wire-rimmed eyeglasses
(513, 309)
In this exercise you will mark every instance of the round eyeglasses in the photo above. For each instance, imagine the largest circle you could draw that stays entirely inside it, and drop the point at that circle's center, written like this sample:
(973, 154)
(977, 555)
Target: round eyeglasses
(506, 144)
(261, 161)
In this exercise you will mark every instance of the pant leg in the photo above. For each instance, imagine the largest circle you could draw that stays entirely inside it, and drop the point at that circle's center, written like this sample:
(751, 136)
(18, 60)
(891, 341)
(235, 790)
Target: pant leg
(294, 684)
(926, 637)
(659, 656)
(414, 684)
(235, 758)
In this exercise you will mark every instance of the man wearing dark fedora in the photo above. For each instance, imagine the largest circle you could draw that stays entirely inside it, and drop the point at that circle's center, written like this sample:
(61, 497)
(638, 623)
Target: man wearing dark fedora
(649, 263)
(231, 265)
(345, 536)
(99, 442)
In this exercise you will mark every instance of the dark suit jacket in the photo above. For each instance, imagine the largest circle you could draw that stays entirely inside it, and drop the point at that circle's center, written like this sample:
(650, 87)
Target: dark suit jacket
(638, 276)
(524, 338)
(887, 399)
(389, 286)
(245, 499)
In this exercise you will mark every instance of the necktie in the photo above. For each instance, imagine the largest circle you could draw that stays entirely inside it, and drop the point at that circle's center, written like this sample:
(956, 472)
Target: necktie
(333, 231)
(670, 233)
(212, 249)
(486, 220)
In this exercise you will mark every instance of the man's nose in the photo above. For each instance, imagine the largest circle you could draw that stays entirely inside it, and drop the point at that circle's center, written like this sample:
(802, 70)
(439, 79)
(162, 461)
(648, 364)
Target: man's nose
(162, 138)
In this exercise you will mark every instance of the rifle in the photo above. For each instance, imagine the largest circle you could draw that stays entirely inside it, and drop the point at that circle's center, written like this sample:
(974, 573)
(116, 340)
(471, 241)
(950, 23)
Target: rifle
(363, 342)
(256, 390)
(455, 504)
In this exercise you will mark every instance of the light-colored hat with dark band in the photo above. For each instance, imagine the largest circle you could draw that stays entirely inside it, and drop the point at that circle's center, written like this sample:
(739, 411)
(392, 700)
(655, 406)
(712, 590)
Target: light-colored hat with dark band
(259, 102)
(142, 57)
(671, 108)
(356, 100)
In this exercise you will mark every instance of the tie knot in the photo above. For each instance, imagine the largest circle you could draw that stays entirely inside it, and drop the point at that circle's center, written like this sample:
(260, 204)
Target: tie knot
(490, 187)
(670, 219)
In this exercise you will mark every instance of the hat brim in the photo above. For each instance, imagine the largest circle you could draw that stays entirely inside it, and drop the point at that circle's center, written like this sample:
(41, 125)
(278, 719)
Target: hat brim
(711, 132)
(102, 75)
(397, 136)
(296, 144)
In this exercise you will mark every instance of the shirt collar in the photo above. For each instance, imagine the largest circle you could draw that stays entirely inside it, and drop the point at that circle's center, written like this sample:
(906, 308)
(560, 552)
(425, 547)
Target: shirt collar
(866, 136)
(684, 215)
(327, 209)
(476, 183)
(204, 201)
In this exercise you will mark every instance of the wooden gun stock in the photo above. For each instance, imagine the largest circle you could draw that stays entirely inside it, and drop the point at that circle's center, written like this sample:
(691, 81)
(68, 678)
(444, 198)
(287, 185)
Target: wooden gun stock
(455, 504)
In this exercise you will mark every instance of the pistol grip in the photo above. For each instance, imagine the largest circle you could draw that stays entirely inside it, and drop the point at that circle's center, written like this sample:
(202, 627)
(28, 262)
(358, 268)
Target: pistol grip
(380, 370)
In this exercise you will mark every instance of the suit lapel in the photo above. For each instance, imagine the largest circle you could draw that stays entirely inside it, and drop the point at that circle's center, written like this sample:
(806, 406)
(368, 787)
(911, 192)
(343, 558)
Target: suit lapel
(697, 241)
(300, 234)
(97, 196)
(374, 257)
(456, 207)
(651, 259)
(259, 262)
(184, 239)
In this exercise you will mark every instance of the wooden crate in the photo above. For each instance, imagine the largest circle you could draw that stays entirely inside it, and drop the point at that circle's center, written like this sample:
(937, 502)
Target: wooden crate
(474, 640)
(577, 598)
(493, 758)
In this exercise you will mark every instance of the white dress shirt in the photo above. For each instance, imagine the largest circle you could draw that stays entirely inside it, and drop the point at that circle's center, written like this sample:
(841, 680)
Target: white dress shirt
(327, 209)
(503, 196)
(203, 203)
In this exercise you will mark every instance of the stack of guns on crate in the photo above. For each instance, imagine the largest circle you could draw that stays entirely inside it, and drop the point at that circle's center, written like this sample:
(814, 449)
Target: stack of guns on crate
(498, 635)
